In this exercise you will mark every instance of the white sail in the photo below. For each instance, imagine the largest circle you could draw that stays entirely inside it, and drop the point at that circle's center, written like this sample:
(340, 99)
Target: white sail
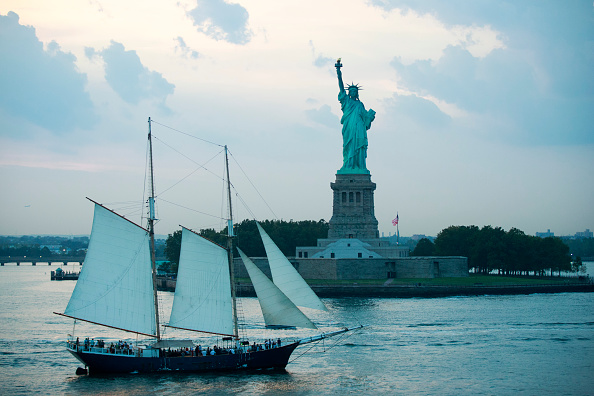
(286, 277)
(115, 285)
(202, 299)
(277, 309)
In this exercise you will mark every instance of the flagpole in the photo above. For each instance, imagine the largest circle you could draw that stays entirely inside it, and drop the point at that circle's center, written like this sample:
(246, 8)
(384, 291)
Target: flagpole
(395, 222)
(397, 230)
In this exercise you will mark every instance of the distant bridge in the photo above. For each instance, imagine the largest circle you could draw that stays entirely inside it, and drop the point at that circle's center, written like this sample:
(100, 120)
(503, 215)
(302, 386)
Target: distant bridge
(63, 260)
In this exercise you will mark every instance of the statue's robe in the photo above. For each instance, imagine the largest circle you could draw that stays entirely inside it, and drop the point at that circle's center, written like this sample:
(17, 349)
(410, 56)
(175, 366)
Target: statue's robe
(355, 123)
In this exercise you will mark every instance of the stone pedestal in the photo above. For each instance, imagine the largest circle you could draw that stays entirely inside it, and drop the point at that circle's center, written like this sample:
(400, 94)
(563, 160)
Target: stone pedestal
(353, 214)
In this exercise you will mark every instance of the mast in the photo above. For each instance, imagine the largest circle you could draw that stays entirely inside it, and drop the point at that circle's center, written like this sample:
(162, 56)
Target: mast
(230, 236)
(151, 228)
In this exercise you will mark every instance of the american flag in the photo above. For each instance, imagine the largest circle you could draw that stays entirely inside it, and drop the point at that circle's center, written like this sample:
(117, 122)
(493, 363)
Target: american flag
(395, 221)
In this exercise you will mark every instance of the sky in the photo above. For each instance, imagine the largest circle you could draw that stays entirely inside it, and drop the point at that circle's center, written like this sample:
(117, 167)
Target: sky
(485, 111)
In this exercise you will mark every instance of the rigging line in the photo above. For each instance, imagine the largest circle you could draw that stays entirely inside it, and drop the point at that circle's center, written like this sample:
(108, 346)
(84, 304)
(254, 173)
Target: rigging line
(190, 159)
(202, 166)
(315, 344)
(241, 319)
(240, 168)
(309, 349)
(223, 201)
(121, 203)
(245, 205)
(124, 208)
(187, 134)
(128, 214)
(181, 180)
(341, 337)
(129, 207)
(146, 165)
(193, 210)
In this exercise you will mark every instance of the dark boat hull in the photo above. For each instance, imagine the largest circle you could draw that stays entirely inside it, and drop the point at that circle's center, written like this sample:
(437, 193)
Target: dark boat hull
(98, 363)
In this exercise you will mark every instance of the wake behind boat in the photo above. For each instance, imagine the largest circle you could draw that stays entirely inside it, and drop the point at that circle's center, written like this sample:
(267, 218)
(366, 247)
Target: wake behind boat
(117, 289)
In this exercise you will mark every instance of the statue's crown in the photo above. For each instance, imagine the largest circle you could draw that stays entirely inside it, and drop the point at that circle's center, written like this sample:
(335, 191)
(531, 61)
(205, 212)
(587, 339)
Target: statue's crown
(356, 86)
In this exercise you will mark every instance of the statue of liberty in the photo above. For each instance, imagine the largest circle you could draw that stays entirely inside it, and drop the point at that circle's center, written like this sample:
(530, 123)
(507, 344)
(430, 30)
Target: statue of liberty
(355, 123)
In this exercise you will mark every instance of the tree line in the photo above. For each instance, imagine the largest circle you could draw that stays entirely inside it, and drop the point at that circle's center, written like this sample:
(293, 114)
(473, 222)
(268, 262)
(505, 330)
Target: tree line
(491, 248)
(37, 246)
(286, 234)
(582, 247)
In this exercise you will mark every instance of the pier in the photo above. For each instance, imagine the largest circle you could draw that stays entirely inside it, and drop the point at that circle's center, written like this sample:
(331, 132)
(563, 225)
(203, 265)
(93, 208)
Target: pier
(63, 260)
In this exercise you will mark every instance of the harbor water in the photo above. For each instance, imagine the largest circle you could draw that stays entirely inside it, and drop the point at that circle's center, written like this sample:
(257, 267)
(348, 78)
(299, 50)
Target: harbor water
(538, 344)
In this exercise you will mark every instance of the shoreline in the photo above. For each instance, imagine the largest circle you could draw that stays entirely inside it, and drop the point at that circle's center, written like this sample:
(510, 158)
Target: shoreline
(444, 291)
(414, 290)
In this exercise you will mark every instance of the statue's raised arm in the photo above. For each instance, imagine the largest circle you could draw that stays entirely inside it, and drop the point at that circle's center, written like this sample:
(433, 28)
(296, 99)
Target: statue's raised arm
(338, 65)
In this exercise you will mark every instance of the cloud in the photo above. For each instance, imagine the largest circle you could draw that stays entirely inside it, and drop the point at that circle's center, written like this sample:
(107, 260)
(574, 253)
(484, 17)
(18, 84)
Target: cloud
(41, 86)
(503, 85)
(538, 86)
(221, 20)
(320, 60)
(186, 51)
(323, 116)
(420, 111)
(127, 76)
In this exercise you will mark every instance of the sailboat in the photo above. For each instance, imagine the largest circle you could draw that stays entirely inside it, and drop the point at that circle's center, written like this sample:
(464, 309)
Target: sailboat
(117, 289)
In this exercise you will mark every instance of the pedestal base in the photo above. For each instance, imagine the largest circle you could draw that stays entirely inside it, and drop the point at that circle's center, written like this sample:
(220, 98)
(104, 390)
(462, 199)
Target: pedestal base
(353, 214)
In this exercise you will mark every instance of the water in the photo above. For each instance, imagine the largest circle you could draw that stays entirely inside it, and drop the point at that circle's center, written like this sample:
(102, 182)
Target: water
(540, 344)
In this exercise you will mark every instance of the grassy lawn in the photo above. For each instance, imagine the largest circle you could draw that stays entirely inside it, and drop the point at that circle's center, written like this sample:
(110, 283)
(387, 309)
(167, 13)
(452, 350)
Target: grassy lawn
(486, 280)
(472, 280)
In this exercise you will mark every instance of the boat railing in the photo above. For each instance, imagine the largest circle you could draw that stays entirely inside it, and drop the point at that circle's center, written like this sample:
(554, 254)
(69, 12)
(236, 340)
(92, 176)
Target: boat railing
(103, 350)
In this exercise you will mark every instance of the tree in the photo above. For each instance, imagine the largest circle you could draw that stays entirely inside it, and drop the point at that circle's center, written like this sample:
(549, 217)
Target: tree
(219, 238)
(583, 269)
(173, 246)
(557, 254)
(169, 267)
(576, 266)
(457, 241)
(583, 247)
(45, 252)
(424, 248)
(489, 250)
(517, 245)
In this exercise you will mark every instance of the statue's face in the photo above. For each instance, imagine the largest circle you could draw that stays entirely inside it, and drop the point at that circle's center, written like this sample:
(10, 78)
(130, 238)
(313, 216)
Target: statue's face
(354, 93)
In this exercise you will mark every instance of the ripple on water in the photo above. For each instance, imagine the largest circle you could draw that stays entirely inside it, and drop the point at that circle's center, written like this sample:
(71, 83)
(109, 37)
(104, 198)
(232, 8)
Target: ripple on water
(560, 339)
(428, 325)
